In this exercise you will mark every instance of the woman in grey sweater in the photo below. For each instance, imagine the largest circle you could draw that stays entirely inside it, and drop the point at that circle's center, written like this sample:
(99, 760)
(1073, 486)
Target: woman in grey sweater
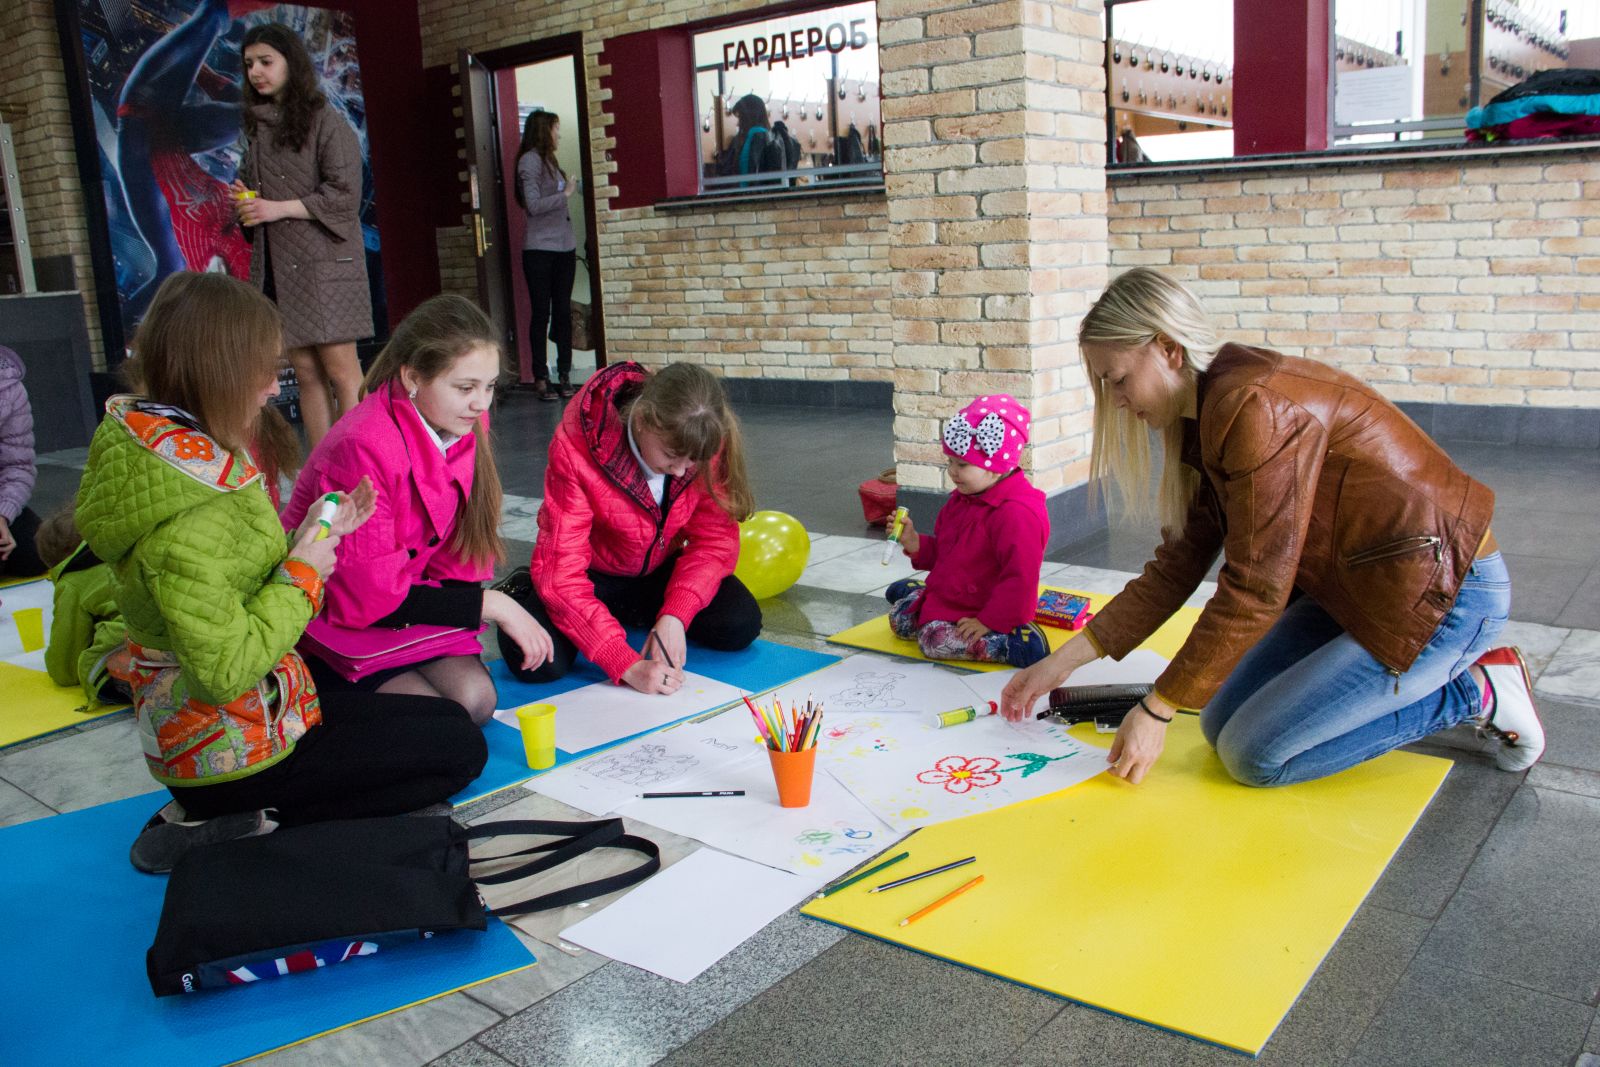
(549, 256)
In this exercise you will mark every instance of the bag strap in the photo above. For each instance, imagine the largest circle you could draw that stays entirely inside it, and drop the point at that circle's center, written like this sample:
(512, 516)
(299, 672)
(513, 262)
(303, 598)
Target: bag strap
(573, 839)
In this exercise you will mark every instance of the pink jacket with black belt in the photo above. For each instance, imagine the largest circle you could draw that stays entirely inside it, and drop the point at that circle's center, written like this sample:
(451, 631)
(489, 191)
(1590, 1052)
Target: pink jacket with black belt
(421, 493)
(984, 555)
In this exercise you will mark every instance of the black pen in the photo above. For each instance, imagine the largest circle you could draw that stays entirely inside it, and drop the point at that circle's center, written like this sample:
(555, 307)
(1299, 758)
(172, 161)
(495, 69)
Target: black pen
(659, 645)
(699, 793)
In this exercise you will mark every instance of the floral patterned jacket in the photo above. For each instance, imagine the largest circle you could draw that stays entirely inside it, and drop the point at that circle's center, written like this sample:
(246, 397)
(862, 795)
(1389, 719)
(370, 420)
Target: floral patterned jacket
(212, 604)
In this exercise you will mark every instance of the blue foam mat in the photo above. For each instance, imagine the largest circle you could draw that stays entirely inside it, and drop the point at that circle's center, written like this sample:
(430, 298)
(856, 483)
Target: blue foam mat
(76, 920)
(761, 666)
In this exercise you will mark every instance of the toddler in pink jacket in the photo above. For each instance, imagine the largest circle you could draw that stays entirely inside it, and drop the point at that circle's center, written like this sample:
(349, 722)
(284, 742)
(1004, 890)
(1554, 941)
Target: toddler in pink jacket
(987, 546)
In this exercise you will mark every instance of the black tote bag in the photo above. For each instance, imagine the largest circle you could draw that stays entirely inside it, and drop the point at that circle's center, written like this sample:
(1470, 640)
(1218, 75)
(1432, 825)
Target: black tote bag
(309, 896)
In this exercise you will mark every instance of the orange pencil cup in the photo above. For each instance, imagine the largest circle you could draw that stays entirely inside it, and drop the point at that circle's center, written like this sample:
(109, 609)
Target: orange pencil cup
(793, 772)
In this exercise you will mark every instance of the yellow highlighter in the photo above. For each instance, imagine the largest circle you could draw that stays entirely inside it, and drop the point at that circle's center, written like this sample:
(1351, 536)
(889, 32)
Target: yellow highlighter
(325, 517)
(897, 525)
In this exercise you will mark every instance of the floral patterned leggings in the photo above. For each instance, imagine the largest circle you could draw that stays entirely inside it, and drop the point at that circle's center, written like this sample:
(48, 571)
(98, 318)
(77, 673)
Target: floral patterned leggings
(939, 640)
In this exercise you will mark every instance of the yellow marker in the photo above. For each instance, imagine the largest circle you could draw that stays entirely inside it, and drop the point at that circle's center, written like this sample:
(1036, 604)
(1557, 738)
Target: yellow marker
(325, 517)
(964, 715)
(897, 525)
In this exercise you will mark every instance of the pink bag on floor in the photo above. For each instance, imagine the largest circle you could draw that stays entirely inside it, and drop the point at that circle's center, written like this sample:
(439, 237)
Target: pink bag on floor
(358, 653)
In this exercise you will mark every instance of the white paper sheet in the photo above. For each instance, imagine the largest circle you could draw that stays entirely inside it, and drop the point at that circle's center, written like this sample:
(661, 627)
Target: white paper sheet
(692, 914)
(602, 713)
(655, 763)
(33, 597)
(911, 774)
(864, 682)
(1140, 665)
(826, 838)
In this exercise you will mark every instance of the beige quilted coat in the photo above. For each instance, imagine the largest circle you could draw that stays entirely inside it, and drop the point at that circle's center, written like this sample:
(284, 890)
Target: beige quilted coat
(319, 268)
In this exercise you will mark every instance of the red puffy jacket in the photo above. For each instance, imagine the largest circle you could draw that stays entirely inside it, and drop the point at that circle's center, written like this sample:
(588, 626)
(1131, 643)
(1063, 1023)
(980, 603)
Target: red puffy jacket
(598, 514)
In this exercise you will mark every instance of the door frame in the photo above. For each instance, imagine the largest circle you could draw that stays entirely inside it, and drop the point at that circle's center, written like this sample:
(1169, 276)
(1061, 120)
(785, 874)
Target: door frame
(521, 55)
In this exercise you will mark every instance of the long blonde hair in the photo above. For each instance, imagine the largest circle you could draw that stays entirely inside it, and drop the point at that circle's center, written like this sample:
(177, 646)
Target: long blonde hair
(429, 341)
(1138, 307)
(687, 406)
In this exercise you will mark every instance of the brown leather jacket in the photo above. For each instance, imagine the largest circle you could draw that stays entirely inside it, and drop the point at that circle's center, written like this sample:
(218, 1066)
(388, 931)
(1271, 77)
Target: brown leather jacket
(1309, 480)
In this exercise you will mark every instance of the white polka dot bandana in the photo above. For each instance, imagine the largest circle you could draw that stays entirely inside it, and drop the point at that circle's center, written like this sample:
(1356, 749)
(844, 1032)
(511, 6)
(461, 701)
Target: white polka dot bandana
(990, 433)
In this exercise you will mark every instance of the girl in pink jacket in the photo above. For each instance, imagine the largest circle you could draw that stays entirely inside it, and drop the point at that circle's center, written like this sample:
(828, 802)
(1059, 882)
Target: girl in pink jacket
(987, 546)
(421, 434)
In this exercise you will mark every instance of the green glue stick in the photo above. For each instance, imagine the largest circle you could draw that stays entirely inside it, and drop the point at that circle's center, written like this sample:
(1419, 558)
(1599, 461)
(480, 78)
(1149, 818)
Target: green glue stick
(325, 517)
(965, 715)
(897, 525)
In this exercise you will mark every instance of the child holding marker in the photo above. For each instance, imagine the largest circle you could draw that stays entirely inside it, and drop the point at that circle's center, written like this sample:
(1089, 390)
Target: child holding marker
(421, 434)
(987, 546)
(643, 495)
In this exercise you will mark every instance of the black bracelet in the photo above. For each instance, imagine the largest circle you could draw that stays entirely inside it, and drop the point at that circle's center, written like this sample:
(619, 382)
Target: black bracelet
(1146, 709)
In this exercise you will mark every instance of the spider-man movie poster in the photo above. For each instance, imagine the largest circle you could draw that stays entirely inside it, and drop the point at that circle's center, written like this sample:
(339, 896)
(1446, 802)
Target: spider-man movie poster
(164, 85)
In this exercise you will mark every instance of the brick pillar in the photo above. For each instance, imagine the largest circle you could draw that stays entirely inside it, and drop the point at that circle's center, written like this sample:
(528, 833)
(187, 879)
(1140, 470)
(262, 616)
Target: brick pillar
(994, 154)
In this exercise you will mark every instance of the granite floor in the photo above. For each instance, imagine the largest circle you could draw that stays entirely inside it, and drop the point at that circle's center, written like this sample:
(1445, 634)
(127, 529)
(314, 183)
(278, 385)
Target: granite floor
(1479, 946)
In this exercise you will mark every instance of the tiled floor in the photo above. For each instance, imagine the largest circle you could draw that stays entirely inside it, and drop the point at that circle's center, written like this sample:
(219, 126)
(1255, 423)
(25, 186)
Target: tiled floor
(1479, 945)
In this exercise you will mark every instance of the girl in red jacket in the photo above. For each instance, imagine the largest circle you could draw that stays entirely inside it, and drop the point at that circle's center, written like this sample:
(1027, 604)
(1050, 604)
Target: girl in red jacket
(987, 546)
(639, 527)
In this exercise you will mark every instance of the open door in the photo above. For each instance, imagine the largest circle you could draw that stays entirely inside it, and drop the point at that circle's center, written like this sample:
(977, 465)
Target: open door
(478, 121)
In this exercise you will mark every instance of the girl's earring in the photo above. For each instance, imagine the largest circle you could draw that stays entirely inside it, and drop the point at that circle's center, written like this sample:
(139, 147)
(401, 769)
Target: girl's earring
(413, 393)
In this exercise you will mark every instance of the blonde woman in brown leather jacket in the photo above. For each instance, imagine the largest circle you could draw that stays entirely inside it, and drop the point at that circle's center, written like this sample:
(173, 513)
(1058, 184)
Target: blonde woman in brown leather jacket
(1361, 589)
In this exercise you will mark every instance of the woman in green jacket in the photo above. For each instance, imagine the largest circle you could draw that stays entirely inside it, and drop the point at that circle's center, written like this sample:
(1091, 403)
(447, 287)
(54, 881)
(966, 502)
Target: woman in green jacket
(214, 598)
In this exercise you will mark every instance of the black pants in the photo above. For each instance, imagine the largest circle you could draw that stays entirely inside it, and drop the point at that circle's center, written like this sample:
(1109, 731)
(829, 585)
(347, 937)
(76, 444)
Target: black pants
(373, 754)
(731, 621)
(24, 561)
(549, 276)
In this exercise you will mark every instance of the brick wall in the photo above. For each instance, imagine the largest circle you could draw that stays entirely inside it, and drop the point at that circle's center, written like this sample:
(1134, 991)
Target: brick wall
(33, 100)
(792, 291)
(1462, 282)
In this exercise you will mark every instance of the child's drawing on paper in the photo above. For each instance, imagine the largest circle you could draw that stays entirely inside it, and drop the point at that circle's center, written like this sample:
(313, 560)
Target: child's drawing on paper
(902, 767)
(865, 682)
(841, 839)
(641, 765)
(871, 690)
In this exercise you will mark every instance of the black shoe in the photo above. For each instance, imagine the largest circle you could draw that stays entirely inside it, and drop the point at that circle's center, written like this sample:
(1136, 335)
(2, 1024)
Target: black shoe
(167, 837)
(518, 585)
(566, 388)
(544, 391)
(1026, 645)
(898, 591)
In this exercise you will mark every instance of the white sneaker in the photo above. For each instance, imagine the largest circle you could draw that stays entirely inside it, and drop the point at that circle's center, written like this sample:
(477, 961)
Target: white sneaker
(1512, 727)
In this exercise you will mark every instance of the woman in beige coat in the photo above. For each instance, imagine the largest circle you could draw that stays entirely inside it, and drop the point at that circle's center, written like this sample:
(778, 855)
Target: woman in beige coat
(301, 183)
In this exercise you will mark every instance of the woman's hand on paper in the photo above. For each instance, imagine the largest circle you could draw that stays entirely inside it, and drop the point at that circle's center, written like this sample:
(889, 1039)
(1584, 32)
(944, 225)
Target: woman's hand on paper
(1032, 684)
(652, 676)
(671, 645)
(1140, 739)
(523, 629)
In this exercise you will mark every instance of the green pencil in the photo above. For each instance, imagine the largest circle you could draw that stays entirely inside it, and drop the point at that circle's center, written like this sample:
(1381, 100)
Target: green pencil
(853, 879)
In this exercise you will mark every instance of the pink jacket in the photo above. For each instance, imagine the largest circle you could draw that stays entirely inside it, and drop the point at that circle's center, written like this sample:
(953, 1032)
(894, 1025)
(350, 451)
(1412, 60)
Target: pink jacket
(984, 555)
(420, 494)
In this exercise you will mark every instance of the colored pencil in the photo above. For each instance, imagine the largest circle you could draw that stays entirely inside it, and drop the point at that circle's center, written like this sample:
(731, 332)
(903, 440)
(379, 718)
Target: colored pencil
(854, 878)
(693, 793)
(760, 724)
(947, 898)
(924, 874)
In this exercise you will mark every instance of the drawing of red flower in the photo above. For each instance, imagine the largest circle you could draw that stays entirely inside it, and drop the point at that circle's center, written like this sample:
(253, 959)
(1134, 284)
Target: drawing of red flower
(961, 774)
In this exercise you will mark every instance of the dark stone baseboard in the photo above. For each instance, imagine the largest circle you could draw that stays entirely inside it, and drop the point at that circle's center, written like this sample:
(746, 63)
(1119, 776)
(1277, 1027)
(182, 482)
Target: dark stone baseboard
(797, 392)
(1503, 424)
(1073, 517)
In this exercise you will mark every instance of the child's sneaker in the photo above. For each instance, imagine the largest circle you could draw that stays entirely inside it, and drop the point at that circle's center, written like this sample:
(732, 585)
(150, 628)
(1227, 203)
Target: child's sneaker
(1510, 727)
(898, 591)
(170, 834)
(1026, 645)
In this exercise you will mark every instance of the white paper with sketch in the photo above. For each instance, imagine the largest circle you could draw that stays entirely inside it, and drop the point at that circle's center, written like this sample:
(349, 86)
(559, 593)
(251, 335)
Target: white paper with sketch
(602, 713)
(654, 763)
(826, 838)
(911, 774)
(864, 682)
(683, 920)
(1140, 665)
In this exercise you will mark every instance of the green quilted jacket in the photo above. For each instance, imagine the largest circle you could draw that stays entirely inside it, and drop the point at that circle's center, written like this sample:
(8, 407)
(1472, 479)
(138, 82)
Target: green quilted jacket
(212, 608)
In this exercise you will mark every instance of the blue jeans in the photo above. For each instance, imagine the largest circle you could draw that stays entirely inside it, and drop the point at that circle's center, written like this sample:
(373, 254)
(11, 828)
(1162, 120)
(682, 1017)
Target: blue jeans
(1308, 701)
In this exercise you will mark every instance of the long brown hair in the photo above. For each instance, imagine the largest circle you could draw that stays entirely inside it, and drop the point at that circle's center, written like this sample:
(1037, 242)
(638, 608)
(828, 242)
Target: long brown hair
(429, 340)
(687, 406)
(209, 344)
(537, 138)
(300, 96)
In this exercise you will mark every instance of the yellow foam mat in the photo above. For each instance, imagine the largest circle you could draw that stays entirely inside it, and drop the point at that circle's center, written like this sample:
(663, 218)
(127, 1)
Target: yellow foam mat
(34, 705)
(1188, 902)
(874, 635)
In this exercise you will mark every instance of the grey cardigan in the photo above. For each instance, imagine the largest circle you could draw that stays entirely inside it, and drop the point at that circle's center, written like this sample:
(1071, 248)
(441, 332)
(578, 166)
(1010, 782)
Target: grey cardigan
(545, 193)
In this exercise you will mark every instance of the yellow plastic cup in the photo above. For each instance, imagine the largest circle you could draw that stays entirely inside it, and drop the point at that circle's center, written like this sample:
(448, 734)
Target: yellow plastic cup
(30, 627)
(538, 725)
(245, 194)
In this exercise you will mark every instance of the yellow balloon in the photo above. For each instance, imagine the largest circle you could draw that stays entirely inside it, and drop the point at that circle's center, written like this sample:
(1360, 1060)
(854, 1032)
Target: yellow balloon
(773, 549)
